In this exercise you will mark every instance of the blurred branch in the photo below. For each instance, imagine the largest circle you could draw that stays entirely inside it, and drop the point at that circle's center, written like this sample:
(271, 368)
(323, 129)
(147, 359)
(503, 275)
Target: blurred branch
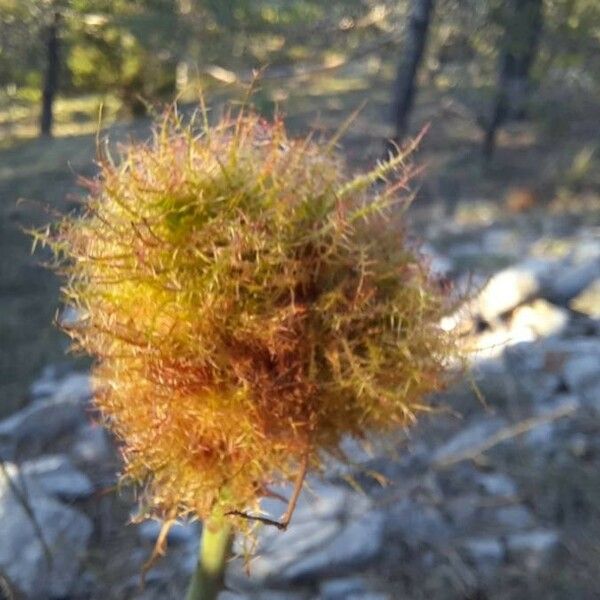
(508, 433)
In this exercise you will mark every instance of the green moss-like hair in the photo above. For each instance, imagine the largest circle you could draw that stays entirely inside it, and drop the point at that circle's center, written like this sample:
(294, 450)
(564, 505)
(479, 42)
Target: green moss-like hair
(248, 305)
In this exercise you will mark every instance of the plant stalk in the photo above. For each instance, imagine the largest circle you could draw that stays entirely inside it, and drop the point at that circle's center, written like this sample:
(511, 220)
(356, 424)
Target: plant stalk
(215, 547)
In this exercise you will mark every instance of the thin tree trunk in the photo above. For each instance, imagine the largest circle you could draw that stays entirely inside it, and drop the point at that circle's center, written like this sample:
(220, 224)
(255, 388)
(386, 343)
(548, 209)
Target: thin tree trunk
(51, 76)
(414, 48)
(523, 26)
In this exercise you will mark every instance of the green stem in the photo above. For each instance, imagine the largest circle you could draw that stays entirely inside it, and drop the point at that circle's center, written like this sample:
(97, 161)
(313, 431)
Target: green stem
(215, 548)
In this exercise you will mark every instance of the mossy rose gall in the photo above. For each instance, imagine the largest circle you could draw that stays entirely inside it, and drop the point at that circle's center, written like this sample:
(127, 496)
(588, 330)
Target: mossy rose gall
(248, 304)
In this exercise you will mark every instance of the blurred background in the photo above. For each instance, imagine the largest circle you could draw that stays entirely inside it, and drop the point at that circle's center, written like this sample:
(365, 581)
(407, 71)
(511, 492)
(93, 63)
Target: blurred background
(497, 496)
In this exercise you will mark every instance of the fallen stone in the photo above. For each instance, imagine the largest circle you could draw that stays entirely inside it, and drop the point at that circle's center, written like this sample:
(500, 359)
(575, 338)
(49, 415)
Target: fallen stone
(571, 281)
(533, 548)
(358, 544)
(439, 266)
(368, 596)
(69, 316)
(416, 524)
(542, 317)
(22, 555)
(341, 588)
(463, 509)
(543, 438)
(486, 553)
(56, 475)
(573, 346)
(587, 246)
(579, 445)
(75, 387)
(503, 241)
(42, 388)
(532, 376)
(525, 357)
(319, 501)
(582, 372)
(280, 595)
(489, 347)
(41, 422)
(464, 250)
(513, 286)
(91, 445)
(48, 381)
(588, 300)
(497, 484)
(513, 517)
(278, 550)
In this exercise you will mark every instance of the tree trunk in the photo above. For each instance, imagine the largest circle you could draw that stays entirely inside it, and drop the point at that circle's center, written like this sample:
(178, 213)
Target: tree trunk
(51, 76)
(523, 25)
(414, 47)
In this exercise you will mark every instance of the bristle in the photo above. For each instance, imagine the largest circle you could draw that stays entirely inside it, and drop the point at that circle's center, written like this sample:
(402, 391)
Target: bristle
(248, 304)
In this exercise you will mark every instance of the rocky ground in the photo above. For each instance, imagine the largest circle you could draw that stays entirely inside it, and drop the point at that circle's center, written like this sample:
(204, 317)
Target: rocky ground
(495, 495)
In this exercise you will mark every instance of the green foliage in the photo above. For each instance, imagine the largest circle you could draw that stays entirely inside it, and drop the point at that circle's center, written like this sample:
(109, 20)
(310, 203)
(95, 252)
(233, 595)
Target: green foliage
(130, 49)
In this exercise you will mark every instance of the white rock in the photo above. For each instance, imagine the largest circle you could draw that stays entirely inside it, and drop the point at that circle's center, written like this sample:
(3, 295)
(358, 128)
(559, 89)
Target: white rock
(356, 546)
(532, 376)
(582, 375)
(514, 517)
(486, 552)
(279, 549)
(69, 316)
(587, 246)
(440, 266)
(56, 475)
(47, 383)
(465, 250)
(42, 421)
(42, 388)
(416, 524)
(582, 371)
(579, 445)
(588, 300)
(66, 532)
(542, 317)
(497, 484)
(571, 281)
(491, 345)
(319, 500)
(75, 387)
(513, 286)
(281, 595)
(532, 547)
(91, 445)
(502, 241)
(341, 588)
(576, 346)
(368, 596)
(462, 509)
